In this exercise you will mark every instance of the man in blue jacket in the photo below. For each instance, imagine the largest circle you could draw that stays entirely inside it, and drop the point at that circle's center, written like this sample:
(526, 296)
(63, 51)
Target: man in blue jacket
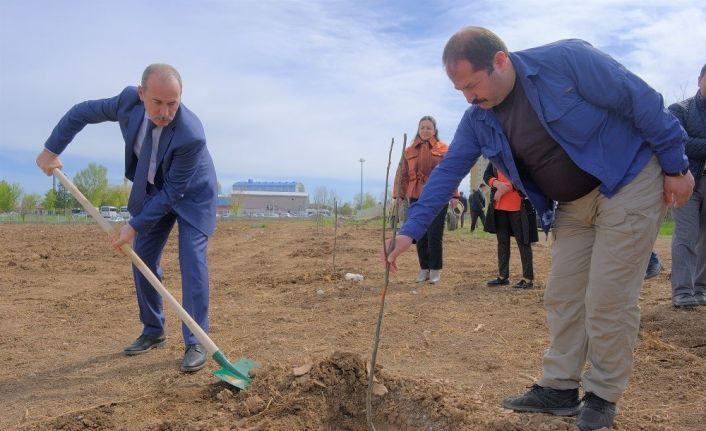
(568, 124)
(689, 238)
(174, 181)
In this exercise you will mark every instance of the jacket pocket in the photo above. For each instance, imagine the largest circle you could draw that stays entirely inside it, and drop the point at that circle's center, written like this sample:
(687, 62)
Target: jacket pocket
(573, 119)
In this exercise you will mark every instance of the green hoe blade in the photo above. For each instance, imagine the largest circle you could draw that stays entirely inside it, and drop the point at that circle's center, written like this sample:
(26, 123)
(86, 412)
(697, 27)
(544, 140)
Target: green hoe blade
(234, 374)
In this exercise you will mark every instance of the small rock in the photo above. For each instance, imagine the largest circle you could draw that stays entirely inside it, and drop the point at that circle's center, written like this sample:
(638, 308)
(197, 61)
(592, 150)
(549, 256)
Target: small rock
(320, 292)
(379, 389)
(304, 369)
(353, 277)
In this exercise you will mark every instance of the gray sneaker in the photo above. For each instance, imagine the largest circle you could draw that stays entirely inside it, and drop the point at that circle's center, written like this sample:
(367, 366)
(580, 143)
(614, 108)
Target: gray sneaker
(423, 276)
(596, 413)
(541, 399)
(434, 276)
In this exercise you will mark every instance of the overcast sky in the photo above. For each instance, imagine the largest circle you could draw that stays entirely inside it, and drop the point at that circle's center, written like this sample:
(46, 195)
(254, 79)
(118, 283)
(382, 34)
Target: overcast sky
(297, 89)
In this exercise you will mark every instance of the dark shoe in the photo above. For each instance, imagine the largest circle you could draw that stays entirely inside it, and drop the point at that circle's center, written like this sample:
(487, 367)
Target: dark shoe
(524, 284)
(546, 400)
(194, 358)
(700, 298)
(596, 413)
(144, 343)
(654, 267)
(498, 282)
(684, 300)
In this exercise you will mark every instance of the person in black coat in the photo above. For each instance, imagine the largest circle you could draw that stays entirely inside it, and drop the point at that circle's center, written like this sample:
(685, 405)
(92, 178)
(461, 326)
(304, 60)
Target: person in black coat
(477, 203)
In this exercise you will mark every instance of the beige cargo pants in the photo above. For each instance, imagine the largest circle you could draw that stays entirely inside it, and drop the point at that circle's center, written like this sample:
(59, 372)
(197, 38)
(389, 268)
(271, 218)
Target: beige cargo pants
(599, 256)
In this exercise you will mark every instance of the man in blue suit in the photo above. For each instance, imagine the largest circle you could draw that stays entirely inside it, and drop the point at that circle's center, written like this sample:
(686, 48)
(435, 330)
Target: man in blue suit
(174, 180)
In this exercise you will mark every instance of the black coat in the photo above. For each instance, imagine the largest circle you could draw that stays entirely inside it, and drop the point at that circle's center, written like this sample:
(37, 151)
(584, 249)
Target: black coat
(477, 201)
(528, 215)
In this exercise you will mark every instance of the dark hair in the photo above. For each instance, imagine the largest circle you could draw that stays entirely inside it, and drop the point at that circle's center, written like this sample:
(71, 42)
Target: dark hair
(476, 45)
(703, 70)
(165, 72)
(433, 121)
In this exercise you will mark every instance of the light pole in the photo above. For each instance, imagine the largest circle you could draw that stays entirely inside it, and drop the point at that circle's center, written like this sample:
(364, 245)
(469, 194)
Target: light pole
(362, 160)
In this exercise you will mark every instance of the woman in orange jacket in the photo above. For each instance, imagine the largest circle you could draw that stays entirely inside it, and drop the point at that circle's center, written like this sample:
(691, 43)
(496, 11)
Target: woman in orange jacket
(420, 158)
(510, 214)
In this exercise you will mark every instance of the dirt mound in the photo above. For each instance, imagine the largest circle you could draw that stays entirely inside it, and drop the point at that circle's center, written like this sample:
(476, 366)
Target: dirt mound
(327, 395)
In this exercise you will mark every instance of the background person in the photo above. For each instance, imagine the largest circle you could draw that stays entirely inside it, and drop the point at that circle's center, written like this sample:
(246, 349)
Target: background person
(654, 266)
(509, 214)
(477, 203)
(464, 202)
(420, 159)
(566, 123)
(689, 237)
(174, 181)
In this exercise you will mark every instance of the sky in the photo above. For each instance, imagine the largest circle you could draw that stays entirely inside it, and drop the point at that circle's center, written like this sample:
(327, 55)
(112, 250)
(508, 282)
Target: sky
(297, 90)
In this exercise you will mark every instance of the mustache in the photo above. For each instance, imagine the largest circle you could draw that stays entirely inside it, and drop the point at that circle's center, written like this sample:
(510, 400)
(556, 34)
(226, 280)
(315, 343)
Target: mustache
(164, 118)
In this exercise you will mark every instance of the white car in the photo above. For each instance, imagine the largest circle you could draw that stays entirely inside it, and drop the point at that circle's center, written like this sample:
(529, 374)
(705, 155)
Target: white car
(124, 213)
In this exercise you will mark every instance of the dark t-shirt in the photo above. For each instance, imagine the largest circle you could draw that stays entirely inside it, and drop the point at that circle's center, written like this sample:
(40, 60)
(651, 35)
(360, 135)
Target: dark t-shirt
(537, 154)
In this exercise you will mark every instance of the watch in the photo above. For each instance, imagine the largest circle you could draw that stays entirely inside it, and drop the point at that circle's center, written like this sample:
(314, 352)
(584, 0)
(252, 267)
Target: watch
(678, 174)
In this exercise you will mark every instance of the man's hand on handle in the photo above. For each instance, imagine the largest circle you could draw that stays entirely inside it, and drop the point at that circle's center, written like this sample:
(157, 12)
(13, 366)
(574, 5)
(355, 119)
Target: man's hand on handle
(125, 235)
(47, 161)
(402, 243)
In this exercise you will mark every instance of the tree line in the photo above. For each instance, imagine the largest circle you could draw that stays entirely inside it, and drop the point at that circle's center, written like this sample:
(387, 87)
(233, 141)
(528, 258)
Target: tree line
(92, 182)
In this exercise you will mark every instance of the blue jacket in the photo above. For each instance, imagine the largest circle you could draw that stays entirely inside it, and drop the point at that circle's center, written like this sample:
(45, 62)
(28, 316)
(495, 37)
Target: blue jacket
(691, 113)
(607, 119)
(185, 177)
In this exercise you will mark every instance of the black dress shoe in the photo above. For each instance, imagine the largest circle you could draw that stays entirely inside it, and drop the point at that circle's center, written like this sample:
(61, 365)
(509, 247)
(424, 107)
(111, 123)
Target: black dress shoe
(700, 298)
(194, 358)
(144, 343)
(524, 284)
(684, 300)
(498, 282)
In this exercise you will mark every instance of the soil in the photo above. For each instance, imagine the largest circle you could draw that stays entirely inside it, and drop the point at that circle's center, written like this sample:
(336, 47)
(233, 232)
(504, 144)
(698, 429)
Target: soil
(448, 353)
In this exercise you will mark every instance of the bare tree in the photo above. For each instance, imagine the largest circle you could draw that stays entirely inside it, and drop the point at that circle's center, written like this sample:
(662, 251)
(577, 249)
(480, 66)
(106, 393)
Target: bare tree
(325, 197)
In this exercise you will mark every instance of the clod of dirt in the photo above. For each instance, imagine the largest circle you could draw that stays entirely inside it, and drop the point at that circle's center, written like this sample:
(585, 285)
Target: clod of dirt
(225, 395)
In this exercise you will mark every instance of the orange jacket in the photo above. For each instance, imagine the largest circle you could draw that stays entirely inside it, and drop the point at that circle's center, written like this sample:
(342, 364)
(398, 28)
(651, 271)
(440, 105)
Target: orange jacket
(417, 166)
(510, 201)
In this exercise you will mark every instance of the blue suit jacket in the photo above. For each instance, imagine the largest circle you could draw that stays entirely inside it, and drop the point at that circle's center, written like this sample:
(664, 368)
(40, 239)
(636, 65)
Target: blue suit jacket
(185, 177)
